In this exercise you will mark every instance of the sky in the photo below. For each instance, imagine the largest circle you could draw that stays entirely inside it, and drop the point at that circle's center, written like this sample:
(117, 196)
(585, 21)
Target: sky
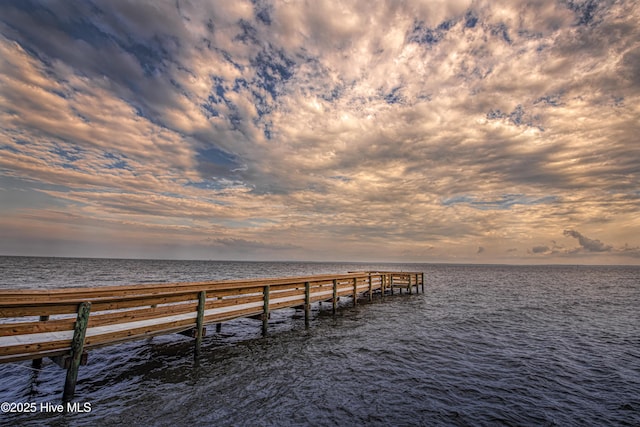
(462, 131)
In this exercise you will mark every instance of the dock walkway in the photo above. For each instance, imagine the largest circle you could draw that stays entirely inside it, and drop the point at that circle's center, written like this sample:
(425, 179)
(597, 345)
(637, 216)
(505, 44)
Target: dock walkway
(64, 323)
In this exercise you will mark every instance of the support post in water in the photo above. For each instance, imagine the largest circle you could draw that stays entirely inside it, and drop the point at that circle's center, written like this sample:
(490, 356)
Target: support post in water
(37, 363)
(334, 300)
(265, 313)
(355, 291)
(202, 299)
(307, 303)
(77, 345)
(422, 280)
(370, 289)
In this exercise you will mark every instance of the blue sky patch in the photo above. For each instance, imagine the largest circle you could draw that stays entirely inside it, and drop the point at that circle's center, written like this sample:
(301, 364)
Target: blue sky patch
(554, 100)
(209, 110)
(502, 31)
(504, 202)
(470, 19)
(215, 185)
(273, 68)
(422, 34)
(214, 162)
(342, 178)
(116, 161)
(7, 147)
(248, 34)
(394, 96)
(518, 117)
(585, 11)
(67, 155)
(262, 11)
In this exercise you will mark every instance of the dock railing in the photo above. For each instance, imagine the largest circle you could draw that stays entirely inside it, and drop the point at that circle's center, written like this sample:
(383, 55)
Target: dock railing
(64, 323)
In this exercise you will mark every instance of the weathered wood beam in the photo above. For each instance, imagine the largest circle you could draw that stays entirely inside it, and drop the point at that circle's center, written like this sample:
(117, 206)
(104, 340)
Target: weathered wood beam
(265, 313)
(202, 301)
(334, 300)
(355, 291)
(77, 345)
(307, 303)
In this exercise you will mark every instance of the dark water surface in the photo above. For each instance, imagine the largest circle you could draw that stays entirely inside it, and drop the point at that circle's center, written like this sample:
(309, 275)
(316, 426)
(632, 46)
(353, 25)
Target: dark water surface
(485, 345)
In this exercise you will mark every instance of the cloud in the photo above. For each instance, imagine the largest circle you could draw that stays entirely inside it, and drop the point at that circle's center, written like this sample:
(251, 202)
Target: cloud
(634, 252)
(445, 125)
(540, 249)
(593, 245)
(587, 244)
(246, 245)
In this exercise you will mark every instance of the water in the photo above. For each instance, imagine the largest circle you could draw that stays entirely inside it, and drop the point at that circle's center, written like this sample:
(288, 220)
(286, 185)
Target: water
(485, 345)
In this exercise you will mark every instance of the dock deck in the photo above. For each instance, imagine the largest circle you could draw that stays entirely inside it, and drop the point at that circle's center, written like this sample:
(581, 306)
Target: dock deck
(65, 323)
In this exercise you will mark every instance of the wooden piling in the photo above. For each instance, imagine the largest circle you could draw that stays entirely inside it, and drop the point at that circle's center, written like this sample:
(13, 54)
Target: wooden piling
(370, 289)
(355, 291)
(265, 311)
(64, 361)
(334, 300)
(77, 345)
(383, 278)
(307, 303)
(202, 300)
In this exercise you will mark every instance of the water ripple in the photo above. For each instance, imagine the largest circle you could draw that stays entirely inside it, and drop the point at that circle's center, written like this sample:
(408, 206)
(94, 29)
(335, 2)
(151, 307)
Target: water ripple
(486, 346)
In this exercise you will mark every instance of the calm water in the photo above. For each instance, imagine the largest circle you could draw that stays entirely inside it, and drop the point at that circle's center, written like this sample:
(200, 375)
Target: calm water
(485, 345)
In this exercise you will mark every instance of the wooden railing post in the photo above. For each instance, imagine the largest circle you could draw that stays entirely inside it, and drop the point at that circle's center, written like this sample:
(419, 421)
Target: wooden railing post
(77, 345)
(202, 299)
(307, 303)
(334, 300)
(370, 289)
(265, 313)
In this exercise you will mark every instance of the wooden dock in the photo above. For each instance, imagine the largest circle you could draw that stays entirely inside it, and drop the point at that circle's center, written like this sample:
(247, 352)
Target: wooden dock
(64, 324)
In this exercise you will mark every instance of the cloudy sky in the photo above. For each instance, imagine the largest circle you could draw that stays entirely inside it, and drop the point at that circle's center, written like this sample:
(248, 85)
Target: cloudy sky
(422, 131)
